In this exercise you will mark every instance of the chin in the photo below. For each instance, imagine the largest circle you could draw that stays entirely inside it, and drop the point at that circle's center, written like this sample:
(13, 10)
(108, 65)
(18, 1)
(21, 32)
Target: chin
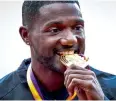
(59, 68)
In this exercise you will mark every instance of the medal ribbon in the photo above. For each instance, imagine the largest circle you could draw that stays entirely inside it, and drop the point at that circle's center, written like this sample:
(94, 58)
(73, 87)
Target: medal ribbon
(34, 88)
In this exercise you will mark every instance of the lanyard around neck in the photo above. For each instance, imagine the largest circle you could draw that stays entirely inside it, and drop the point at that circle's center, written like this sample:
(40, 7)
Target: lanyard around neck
(34, 87)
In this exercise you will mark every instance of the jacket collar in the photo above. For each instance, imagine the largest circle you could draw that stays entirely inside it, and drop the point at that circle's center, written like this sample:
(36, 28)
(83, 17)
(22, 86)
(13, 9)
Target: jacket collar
(22, 70)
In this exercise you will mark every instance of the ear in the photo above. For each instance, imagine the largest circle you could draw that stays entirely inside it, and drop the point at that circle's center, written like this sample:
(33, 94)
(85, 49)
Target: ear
(24, 34)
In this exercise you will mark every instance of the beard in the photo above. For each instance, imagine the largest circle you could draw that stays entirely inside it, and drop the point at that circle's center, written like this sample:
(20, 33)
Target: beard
(50, 62)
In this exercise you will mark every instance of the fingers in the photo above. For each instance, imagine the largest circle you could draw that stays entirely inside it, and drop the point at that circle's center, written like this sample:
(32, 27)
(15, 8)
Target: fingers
(82, 84)
(68, 78)
(79, 77)
(79, 73)
(76, 71)
(80, 93)
(73, 66)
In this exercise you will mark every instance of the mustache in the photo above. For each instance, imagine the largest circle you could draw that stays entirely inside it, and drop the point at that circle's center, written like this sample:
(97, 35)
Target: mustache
(66, 48)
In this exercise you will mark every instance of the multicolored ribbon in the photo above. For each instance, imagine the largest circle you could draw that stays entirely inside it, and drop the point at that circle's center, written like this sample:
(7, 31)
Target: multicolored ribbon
(34, 87)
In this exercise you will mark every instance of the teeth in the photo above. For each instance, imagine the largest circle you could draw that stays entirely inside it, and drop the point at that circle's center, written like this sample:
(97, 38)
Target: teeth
(66, 52)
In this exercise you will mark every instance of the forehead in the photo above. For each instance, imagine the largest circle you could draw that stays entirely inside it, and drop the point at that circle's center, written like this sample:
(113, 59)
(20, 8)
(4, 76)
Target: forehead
(59, 12)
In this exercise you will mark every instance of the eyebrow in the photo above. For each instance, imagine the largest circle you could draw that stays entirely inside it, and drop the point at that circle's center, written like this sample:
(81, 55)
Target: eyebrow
(55, 22)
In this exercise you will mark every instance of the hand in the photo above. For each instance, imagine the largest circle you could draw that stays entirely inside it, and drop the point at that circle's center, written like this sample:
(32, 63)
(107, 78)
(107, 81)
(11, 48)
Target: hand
(84, 82)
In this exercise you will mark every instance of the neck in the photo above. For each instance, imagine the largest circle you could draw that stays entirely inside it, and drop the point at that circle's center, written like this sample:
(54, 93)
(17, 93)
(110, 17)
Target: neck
(50, 80)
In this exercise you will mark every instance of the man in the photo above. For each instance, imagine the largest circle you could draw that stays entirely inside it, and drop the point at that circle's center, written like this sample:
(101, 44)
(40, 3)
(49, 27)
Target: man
(53, 28)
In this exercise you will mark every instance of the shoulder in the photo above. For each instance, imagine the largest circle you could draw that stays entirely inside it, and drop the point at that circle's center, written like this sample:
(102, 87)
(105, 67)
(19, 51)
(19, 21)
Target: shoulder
(107, 82)
(8, 83)
(14, 85)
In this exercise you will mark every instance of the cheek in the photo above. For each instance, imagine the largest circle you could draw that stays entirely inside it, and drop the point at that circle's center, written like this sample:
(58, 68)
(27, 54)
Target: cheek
(47, 45)
(36, 43)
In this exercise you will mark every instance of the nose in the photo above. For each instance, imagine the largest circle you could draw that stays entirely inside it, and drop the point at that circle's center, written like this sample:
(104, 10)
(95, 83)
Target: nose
(68, 39)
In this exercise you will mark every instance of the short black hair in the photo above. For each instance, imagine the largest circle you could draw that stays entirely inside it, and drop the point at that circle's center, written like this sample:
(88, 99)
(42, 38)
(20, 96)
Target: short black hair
(31, 8)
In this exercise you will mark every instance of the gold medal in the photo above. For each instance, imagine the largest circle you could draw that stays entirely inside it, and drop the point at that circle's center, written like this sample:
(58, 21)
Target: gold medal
(69, 59)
